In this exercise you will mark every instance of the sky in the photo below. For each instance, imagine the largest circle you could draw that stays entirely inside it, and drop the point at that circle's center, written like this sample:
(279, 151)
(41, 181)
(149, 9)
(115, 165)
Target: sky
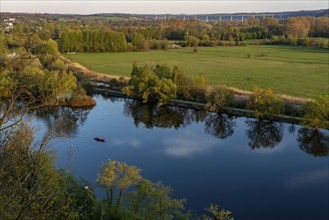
(159, 7)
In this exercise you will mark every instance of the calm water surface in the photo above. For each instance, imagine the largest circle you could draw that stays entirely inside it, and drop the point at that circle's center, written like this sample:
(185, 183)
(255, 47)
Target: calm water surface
(256, 169)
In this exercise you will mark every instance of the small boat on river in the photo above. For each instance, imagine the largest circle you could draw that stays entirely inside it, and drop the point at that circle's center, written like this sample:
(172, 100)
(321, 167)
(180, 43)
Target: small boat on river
(99, 139)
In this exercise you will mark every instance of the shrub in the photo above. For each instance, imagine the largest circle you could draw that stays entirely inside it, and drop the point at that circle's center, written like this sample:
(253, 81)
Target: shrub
(265, 103)
(57, 65)
(282, 39)
(317, 113)
(293, 41)
(219, 98)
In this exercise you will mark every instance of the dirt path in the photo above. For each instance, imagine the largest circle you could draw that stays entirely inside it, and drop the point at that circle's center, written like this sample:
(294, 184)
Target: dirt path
(90, 74)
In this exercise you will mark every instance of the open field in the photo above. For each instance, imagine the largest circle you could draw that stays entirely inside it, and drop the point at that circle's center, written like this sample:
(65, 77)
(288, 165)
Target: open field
(295, 71)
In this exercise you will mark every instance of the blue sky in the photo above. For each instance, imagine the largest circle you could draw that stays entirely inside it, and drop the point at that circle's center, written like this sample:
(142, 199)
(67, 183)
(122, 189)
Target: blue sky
(159, 7)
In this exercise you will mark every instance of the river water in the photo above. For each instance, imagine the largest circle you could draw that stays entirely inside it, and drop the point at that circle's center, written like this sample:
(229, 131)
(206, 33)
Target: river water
(256, 169)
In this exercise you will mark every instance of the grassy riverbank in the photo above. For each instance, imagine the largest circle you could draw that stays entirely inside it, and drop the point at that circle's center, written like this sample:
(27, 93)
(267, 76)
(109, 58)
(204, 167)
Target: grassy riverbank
(295, 71)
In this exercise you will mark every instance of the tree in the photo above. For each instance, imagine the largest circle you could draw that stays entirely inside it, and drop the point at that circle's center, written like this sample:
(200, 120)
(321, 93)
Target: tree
(297, 27)
(317, 113)
(219, 98)
(192, 41)
(16, 88)
(117, 176)
(265, 103)
(147, 86)
(139, 42)
(160, 205)
(216, 214)
(30, 185)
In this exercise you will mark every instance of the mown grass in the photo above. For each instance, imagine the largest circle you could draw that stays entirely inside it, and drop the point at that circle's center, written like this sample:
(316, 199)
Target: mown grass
(295, 71)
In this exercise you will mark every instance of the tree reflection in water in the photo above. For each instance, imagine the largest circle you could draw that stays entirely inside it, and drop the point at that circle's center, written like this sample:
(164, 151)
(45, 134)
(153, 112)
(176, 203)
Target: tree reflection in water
(63, 121)
(264, 133)
(314, 141)
(152, 115)
(219, 125)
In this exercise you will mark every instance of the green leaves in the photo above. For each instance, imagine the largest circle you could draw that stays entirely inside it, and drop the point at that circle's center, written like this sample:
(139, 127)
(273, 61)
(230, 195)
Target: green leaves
(151, 85)
(317, 113)
(146, 200)
(265, 103)
(219, 98)
(93, 41)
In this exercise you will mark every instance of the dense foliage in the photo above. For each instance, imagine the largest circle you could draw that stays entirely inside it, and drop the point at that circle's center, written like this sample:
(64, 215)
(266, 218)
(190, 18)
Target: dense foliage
(317, 113)
(151, 85)
(86, 34)
(265, 103)
(92, 41)
(160, 84)
(219, 98)
(37, 73)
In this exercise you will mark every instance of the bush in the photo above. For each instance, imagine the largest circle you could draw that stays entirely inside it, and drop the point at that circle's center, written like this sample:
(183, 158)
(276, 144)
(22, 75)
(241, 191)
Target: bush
(282, 39)
(159, 44)
(57, 65)
(265, 103)
(293, 41)
(219, 98)
(317, 113)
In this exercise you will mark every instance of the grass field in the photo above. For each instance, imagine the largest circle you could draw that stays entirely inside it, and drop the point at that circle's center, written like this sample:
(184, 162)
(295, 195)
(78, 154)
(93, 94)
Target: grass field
(295, 71)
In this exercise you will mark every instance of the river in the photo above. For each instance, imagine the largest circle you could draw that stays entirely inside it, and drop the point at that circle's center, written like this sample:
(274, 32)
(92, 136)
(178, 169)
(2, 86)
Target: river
(256, 169)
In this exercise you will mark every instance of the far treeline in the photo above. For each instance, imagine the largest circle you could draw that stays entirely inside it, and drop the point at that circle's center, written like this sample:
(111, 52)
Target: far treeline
(302, 31)
(88, 34)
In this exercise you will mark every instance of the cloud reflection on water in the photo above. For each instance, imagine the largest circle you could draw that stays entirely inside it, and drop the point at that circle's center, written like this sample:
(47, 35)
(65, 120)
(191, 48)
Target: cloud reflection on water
(308, 178)
(133, 142)
(187, 145)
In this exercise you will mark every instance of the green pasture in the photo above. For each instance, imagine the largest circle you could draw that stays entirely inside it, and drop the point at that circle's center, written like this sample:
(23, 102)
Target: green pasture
(296, 71)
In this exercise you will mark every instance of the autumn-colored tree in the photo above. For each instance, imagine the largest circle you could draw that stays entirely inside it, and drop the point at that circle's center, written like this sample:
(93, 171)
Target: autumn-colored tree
(116, 176)
(265, 103)
(317, 113)
(219, 98)
(297, 27)
(216, 214)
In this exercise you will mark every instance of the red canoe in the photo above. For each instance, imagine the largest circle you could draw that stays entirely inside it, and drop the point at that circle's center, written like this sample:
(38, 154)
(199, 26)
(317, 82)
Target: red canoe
(99, 139)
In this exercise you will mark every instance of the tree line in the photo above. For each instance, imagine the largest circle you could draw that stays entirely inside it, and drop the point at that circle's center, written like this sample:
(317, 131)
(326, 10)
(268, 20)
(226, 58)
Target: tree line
(81, 34)
(92, 41)
(159, 84)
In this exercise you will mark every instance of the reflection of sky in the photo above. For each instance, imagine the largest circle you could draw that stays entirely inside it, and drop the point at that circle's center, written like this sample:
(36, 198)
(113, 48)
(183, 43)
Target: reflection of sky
(188, 144)
(202, 168)
(128, 142)
(307, 179)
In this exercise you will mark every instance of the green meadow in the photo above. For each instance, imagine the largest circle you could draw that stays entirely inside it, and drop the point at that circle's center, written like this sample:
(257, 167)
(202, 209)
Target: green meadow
(295, 71)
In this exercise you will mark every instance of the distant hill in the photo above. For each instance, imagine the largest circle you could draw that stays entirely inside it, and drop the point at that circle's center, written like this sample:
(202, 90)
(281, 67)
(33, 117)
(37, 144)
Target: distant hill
(222, 16)
(324, 13)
